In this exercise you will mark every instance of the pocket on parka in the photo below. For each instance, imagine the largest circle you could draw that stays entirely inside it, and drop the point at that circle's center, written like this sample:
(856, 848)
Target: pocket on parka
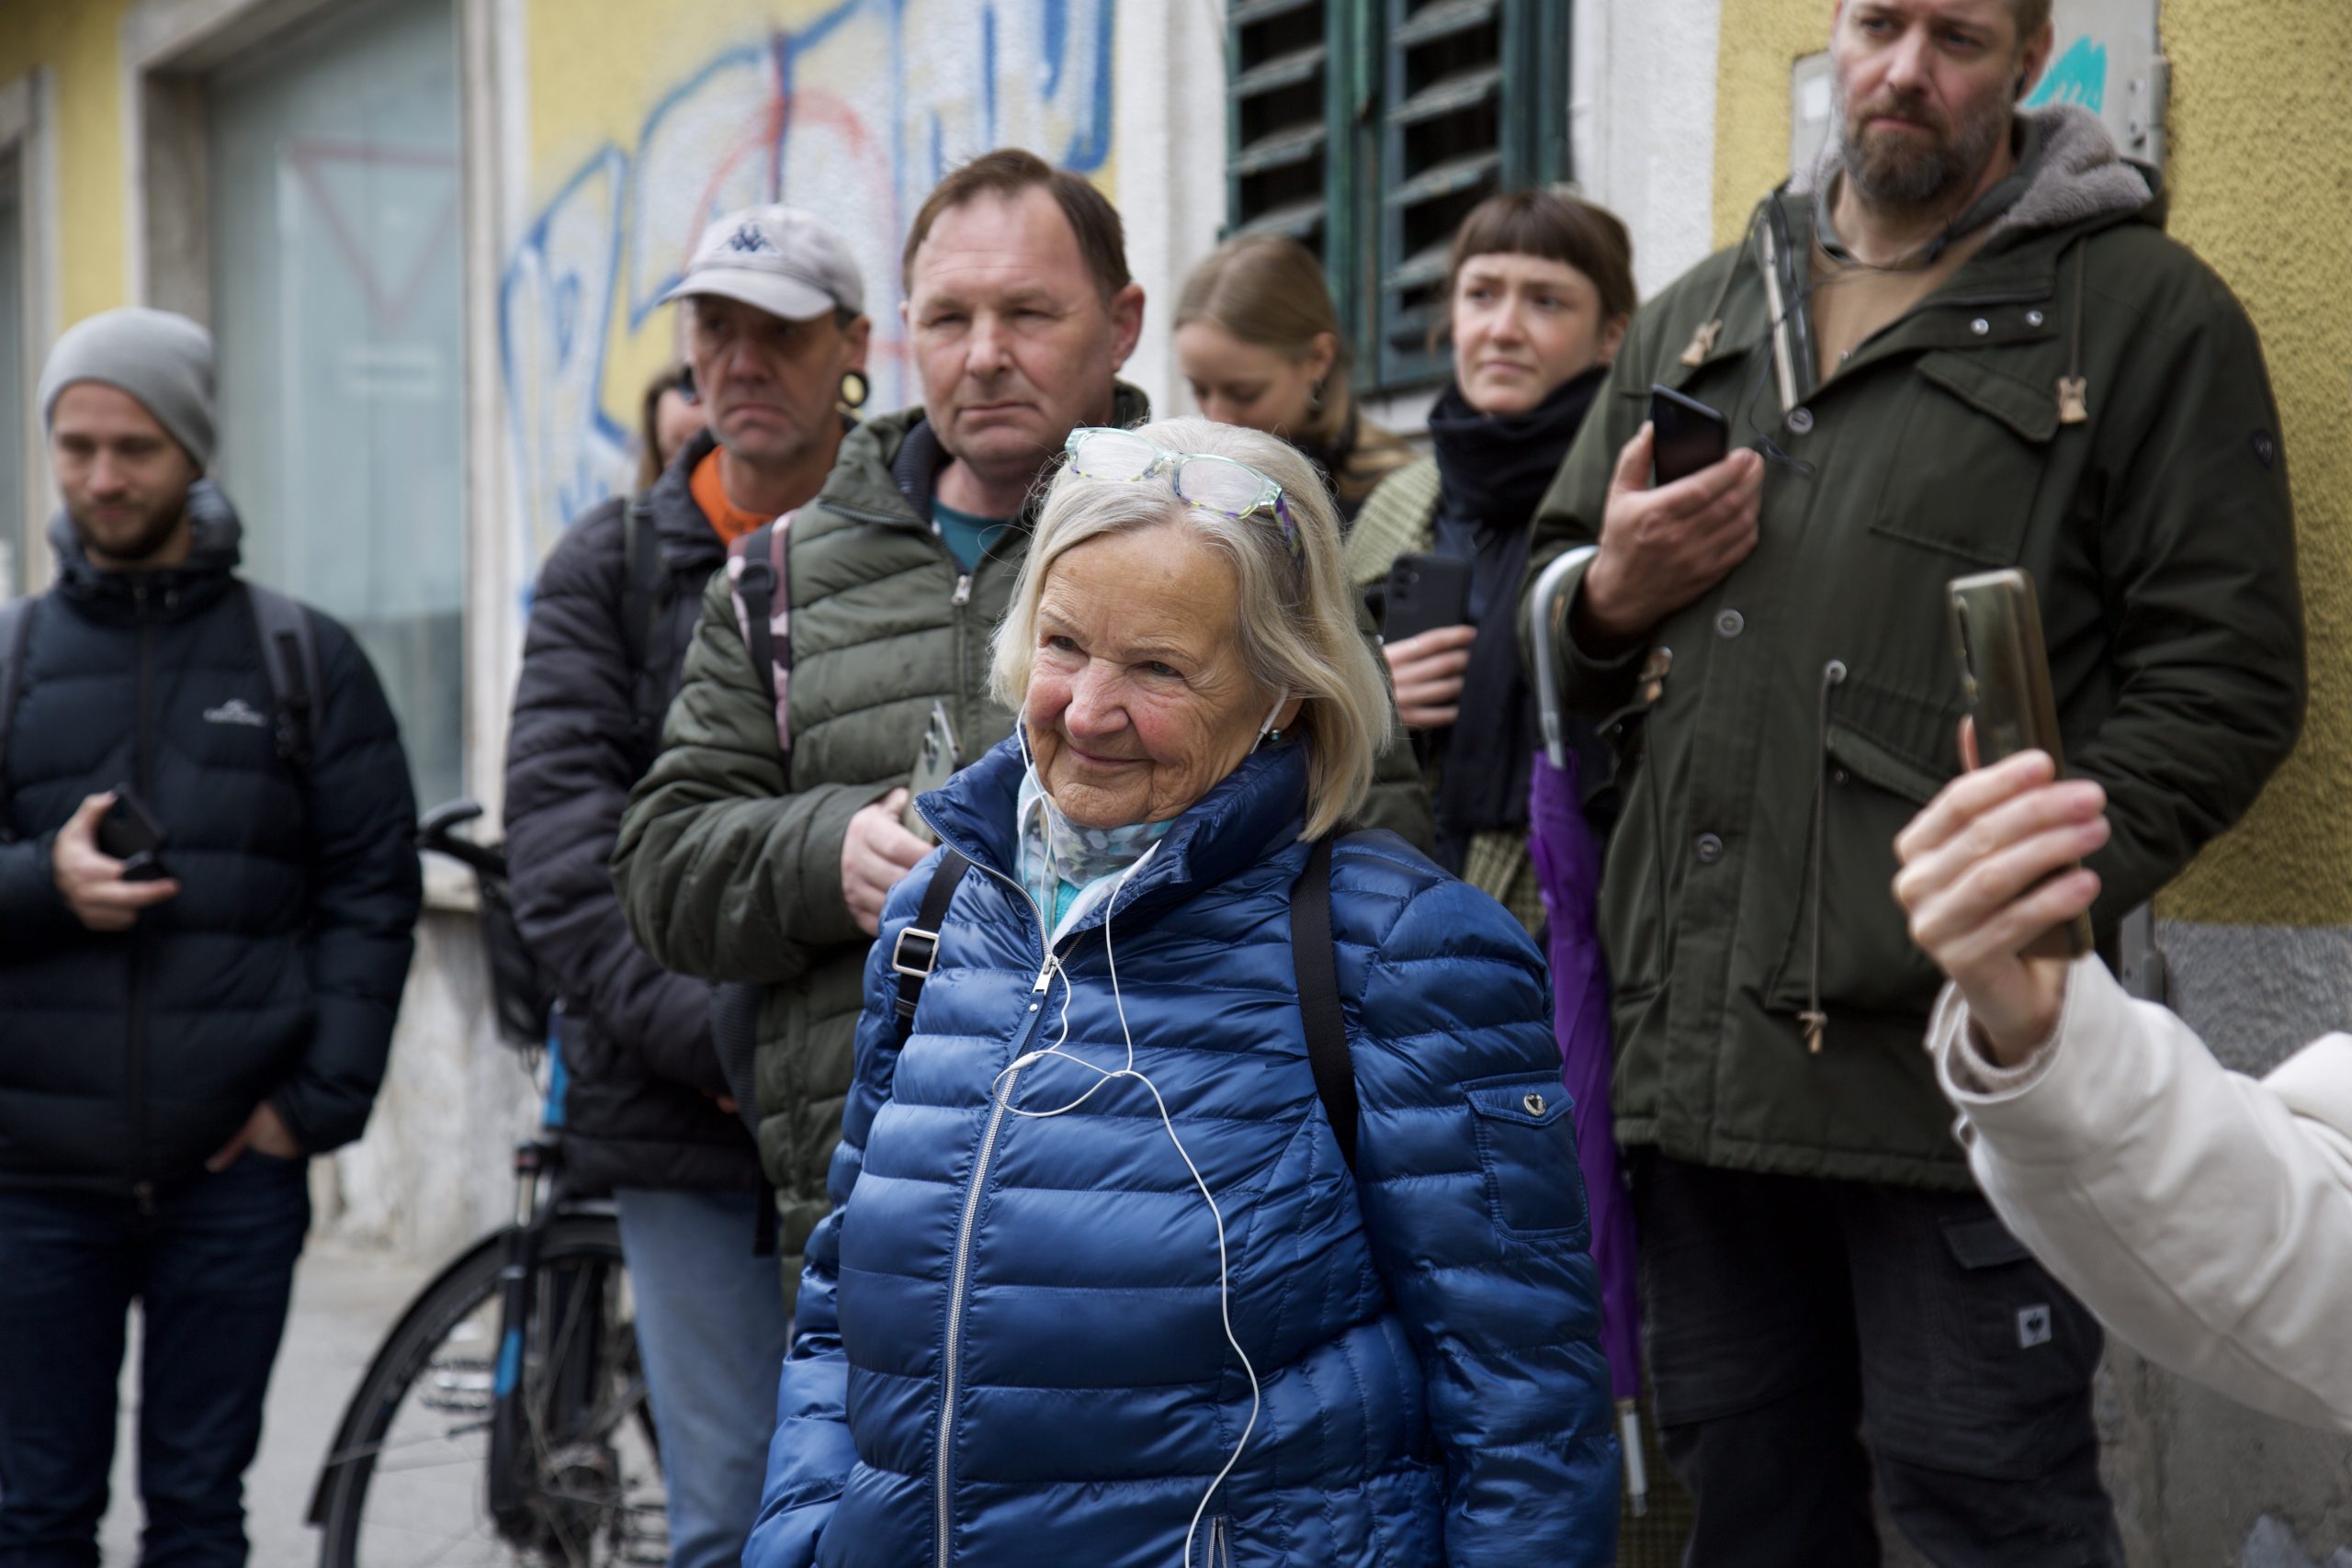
(1975, 429)
(1882, 767)
(1527, 1149)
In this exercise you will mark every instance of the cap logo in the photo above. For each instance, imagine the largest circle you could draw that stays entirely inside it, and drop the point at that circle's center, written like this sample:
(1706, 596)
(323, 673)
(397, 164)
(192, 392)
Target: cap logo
(749, 238)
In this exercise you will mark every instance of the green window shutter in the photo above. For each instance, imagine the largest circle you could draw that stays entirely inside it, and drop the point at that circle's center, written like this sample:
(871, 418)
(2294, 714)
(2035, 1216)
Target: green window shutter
(1473, 100)
(1366, 128)
(1277, 119)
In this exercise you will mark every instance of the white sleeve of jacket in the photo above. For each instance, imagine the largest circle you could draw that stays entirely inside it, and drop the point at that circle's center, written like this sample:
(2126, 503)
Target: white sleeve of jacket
(2204, 1216)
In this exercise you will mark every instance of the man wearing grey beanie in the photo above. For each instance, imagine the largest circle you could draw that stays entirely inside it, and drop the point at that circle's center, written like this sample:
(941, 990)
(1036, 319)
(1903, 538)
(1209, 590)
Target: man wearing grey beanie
(184, 1018)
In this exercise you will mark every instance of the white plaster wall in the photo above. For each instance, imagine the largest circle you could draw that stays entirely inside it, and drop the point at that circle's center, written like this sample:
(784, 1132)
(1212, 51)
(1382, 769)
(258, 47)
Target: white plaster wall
(1168, 109)
(1642, 125)
(433, 1172)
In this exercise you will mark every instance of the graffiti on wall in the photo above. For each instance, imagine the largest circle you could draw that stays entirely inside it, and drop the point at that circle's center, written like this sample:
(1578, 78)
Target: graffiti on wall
(854, 115)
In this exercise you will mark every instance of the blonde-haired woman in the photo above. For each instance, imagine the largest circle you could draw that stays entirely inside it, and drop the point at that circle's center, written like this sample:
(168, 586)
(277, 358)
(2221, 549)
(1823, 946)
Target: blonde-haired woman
(1111, 1275)
(1260, 343)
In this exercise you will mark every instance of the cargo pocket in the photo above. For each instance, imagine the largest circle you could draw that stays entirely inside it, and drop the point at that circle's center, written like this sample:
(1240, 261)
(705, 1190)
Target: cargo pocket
(1974, 431)
(1527, 1147)
(1990, 1375)
(1866, 961)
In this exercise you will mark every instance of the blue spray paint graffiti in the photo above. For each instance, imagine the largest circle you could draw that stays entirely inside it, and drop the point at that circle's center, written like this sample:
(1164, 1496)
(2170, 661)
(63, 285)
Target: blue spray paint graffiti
(2077, 76)
(833, 116)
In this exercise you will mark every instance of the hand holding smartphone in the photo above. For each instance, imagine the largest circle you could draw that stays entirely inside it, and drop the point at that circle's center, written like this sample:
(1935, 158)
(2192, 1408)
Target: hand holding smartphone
(129, 833)
(2005, 672)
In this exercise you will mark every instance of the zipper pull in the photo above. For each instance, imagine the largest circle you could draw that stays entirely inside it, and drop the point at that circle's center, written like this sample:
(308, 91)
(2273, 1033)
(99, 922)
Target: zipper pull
(1045, 975)
(963, 595)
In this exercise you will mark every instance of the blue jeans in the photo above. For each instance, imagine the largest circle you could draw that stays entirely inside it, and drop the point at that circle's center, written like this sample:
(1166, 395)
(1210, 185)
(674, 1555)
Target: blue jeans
(212, 1269)
(713, 1332)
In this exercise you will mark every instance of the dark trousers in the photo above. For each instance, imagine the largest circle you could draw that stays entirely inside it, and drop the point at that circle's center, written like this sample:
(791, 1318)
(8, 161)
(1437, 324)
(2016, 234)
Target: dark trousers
(211, 1269)
(1803, 1335)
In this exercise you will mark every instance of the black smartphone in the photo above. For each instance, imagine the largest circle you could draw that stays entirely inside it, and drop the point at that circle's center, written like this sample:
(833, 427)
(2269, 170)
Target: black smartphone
(1686, 436)
(1424, 592)
(2005, 674)
(129, 833)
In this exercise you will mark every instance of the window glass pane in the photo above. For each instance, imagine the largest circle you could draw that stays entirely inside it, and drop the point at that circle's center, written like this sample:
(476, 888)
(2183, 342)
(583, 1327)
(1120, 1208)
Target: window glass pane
(338, 315)
(12, 386)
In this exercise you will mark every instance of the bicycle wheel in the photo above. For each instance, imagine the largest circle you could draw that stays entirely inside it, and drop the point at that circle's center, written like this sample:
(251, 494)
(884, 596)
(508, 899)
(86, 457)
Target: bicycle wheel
(410, 1484)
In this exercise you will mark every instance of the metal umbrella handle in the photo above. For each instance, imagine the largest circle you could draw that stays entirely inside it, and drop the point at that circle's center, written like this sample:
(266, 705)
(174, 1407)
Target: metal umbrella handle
(1539, 638)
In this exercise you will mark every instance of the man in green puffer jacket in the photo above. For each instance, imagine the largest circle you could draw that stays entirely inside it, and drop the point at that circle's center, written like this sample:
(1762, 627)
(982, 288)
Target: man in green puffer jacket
(737, 862)
(1989, 354)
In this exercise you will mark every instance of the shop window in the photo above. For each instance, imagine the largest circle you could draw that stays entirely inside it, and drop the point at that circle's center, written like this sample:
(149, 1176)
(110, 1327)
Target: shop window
(336, 303)
(1366, 128)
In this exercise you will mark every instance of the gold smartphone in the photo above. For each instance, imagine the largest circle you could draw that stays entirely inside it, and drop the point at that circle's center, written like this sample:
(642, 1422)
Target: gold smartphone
(2005, 672)
(933, 766)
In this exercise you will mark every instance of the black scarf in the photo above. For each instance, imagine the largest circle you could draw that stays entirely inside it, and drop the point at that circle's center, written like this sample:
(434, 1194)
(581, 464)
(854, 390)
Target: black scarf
(1492, 470)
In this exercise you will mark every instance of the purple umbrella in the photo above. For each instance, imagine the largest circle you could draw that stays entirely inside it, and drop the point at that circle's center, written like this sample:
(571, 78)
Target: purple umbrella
(1566, 853)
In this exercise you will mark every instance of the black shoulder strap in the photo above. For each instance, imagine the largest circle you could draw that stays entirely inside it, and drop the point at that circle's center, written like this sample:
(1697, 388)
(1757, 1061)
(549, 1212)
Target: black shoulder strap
(1316, 961)
(646, 594)
(16, 636)
(917, 952)
(641, 587)
(755, 585)
(290, 662)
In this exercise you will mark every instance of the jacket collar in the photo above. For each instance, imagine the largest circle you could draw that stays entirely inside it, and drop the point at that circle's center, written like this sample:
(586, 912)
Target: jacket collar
(889, 465)
(214, 552)
(1249, 815)
(2070, 177)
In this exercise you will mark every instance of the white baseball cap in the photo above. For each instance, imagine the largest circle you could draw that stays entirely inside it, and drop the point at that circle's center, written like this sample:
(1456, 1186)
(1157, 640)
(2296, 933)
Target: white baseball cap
(777, 259)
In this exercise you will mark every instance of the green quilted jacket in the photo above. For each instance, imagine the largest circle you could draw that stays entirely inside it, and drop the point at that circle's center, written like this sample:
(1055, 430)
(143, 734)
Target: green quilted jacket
(732, 871)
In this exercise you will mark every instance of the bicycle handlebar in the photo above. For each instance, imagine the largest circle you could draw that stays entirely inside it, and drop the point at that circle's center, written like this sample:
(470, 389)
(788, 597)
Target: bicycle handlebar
(436, 832)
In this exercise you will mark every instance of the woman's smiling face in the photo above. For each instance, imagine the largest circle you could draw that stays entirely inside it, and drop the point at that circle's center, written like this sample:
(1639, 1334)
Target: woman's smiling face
(1139, 701)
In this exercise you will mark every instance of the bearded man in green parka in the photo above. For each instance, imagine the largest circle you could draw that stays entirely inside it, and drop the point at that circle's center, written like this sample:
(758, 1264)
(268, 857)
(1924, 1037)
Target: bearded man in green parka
(1962, 342)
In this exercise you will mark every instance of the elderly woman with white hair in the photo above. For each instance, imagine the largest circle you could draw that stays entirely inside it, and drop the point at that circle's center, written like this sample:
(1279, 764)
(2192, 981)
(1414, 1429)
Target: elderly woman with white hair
(1207, 1193)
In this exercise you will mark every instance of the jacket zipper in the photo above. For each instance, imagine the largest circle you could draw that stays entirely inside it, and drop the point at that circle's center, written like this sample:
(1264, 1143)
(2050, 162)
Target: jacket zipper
(141, 1187)
(1814, 1018)
(960, 1277)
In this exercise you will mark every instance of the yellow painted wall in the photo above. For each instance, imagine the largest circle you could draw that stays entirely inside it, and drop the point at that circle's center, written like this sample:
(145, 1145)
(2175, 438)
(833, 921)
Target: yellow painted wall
(2261, 178)
(78, 42)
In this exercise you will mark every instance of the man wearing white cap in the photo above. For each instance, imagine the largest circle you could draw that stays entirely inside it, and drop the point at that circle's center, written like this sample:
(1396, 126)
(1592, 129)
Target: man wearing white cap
(775, 338)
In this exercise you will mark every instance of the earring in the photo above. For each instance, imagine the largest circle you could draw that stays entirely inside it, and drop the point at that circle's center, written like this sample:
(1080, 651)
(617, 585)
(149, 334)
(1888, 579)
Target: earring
(1315, 395)
(854, 389)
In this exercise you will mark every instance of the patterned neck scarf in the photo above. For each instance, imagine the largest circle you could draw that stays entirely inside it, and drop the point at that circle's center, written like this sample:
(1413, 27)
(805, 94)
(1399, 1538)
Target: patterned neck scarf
(1071, 868)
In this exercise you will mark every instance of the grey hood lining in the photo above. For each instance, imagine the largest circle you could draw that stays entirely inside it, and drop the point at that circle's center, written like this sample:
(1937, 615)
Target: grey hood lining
(2079, 176)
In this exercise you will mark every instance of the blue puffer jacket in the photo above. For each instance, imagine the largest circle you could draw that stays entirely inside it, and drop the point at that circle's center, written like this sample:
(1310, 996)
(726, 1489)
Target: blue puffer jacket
(1010, 1351)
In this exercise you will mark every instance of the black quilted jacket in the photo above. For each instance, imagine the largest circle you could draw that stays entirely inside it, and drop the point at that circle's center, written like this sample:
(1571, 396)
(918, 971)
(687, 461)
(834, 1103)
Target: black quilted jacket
(126, 1058)
(641, 1111)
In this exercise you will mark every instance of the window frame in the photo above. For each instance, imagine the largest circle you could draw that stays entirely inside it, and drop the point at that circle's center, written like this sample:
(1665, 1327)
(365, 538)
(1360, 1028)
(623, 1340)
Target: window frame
(1365, 148)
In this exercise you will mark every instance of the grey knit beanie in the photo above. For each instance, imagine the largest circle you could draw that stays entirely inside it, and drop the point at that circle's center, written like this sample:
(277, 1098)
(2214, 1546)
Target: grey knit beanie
(164, 360)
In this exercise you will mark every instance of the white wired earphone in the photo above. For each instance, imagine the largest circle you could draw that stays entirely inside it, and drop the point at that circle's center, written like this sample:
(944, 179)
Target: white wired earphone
(1128, 1069)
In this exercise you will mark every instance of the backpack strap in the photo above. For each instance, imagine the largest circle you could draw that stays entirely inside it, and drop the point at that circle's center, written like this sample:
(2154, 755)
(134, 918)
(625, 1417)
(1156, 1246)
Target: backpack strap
(759, 576)
(1317, 964)
(15, 637)
(647, 592)
(290, 662)
(916, 953)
